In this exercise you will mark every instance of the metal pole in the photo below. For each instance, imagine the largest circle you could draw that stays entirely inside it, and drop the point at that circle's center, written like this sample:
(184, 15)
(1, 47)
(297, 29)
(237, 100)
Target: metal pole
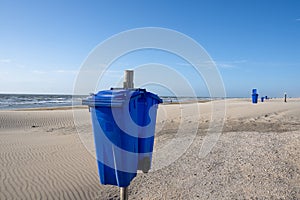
(123, 193)
(128, 79)
(127, 84)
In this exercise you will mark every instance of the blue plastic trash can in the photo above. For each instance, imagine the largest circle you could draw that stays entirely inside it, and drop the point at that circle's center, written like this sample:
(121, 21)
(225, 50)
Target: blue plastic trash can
(123, 127)
(254, 98)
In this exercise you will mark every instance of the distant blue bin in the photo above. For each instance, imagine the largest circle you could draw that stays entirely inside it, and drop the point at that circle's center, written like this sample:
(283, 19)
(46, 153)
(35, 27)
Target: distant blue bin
(254, 95)
(254, 98)
(262, 99)
(123, 126)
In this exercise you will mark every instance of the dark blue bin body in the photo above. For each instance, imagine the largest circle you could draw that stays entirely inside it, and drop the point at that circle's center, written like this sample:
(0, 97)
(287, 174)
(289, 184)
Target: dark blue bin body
(254, 98)
(262, 99)
(123, 126)
(147, 106)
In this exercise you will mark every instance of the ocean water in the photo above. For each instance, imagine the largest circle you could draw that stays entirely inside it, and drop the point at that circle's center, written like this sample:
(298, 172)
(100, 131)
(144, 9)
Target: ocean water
(20, 101)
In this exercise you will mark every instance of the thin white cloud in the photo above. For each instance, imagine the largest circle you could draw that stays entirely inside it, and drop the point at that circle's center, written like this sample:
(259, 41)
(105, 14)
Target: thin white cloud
(183, 64)
(221, 64)
(5, 61)
(39, 72)
(205, 62)
(298, 19)
(226, 66)
(230, 64)
(113, 73)
(233, 61)
(20, 66)
(62, 71)
(240, 61)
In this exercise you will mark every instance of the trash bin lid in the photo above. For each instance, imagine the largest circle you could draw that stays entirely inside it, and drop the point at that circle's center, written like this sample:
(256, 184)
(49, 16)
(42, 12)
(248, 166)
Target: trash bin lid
(116, 97)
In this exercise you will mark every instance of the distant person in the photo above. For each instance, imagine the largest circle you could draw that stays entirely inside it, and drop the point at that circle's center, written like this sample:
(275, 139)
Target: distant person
(285, 96)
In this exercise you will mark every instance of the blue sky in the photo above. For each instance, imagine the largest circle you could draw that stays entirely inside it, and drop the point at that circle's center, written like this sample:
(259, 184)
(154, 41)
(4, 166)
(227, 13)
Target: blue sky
(255, 44)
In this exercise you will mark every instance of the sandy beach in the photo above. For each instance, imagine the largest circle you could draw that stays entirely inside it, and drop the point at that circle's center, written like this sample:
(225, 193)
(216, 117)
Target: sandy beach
(256, 156)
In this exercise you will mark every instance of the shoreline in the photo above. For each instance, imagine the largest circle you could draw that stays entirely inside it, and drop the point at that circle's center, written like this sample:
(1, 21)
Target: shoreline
(78, 106)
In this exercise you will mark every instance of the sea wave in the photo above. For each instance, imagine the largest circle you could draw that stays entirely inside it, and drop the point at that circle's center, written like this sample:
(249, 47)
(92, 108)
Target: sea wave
(17, 101)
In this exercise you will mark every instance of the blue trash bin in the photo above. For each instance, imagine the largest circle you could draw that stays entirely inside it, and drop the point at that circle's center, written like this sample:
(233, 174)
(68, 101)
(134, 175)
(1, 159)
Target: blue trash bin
(123, 126)
(254, 95)
(254, 98)
(262, 99)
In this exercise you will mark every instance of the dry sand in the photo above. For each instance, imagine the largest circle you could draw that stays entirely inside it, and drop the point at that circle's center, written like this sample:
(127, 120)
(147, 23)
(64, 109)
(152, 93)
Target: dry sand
(256, 157)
